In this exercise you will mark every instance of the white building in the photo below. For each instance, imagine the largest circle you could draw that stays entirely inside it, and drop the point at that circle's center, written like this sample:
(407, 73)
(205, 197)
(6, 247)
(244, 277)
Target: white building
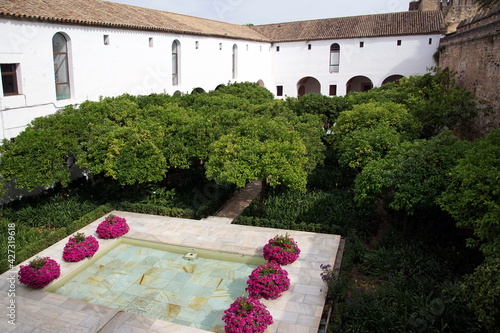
(60, 52)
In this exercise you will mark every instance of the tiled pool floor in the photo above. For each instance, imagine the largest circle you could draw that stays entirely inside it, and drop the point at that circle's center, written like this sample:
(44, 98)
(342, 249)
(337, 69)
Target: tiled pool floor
(161, 284)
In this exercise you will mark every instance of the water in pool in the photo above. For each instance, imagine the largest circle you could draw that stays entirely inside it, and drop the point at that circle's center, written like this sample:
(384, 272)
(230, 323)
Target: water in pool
(161, 284)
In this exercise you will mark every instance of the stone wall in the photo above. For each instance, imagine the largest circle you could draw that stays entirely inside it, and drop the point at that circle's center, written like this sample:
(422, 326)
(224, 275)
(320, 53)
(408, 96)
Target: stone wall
(455, 11)
(473, 52)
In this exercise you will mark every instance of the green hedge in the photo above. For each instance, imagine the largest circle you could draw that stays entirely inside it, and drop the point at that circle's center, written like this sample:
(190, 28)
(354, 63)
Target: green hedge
(300, 226)
(155, 210)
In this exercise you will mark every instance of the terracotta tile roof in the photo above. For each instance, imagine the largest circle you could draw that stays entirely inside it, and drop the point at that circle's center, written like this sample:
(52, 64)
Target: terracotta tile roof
(380, 25)
(115, 15)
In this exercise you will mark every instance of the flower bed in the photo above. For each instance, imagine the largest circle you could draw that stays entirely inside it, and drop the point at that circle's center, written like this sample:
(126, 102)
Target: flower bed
(246, 315)
(268, 281)
(112, 227)
(282, 250)
(39, 272)
(80, 247)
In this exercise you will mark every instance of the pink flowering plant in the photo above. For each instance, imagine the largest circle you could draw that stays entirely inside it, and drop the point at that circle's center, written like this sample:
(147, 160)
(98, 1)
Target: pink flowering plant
(39, 272)
(282, 250)
(268, 281)
(80, 247)
(246, 315)
(112, 227)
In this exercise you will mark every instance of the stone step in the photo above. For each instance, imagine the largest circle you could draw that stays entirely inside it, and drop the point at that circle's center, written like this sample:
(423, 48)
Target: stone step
(216, 219)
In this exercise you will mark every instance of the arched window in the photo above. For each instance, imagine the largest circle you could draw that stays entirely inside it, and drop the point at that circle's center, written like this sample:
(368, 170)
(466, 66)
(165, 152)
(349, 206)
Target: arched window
(334, 58)
(61, 67)
(176, 46)
(235, 60)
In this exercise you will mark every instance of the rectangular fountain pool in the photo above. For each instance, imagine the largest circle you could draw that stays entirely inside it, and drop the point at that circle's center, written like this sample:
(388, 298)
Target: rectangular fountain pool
(159, 281)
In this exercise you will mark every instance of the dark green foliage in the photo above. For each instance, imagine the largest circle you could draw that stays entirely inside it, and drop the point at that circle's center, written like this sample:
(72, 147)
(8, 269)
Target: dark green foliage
(155, 210)
(246, 90)
(434, 99)
(326, 212)
(412, 175)
(483, 288)
(32, 240)
(398, 288)
(438, 103)
(53, 212)
(328, 107)
(367, 131)
(473, 194)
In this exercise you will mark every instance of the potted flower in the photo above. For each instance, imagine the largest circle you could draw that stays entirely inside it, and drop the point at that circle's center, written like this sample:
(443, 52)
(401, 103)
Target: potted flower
(282, 250)
(246, 315)
(112, 227)
(80, 247)
(268, 281)
(39, 272)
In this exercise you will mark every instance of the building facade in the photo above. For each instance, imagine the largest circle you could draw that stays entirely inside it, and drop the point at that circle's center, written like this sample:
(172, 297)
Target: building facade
(63, 52)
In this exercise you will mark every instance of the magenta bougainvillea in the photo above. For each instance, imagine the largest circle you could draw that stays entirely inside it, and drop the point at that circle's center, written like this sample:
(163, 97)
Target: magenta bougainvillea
(39, 272)
(247, 315)
(268, 281)
(282, 250)
(112, 227)
(80, 247)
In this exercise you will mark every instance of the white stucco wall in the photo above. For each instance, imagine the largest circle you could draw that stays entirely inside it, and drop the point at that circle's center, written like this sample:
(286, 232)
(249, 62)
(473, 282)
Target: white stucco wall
(379, 58)
(130, 65)
(127, 65)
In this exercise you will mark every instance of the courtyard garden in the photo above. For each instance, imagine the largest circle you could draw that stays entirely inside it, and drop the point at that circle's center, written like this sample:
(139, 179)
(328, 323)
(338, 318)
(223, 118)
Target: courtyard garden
(401, 172)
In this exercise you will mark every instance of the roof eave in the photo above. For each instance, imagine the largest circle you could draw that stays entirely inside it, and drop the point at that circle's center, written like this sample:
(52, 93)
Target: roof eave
(24, 17)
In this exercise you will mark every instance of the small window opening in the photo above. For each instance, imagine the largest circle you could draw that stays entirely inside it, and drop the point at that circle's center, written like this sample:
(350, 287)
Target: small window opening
(309, 46)
(277, 48)
(220, 46)
(399, 42)
(106, 39)
(361, 44)
(430, 41)
(9, 79)
(197, 45)
(151, 42)
(333, 90)
(279, 90)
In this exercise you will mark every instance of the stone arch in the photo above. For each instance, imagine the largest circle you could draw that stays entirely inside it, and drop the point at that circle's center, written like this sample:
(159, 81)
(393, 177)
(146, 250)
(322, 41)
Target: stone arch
(359, 84)
(308, 85)
(393, 78)
(198, 91)
(219, 86)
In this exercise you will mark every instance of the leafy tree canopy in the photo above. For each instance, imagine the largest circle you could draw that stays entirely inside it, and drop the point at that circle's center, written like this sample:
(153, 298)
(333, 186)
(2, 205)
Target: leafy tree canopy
(473, 195)
(369, 130)
(434, 99)
(260, 148)
(412, 175)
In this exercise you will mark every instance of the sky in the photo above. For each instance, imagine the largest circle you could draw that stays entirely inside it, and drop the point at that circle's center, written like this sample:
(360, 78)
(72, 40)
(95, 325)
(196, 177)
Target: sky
(271, 11)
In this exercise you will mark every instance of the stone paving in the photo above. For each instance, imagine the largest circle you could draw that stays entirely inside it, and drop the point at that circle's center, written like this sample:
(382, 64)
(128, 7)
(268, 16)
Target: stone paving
(298, 310)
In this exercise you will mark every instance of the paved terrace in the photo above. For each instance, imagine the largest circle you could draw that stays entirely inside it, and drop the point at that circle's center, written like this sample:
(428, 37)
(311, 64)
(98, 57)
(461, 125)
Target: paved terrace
(298, 310)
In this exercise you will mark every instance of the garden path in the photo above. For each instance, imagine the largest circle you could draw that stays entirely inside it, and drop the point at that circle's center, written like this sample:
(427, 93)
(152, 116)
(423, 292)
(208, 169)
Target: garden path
(241, 200)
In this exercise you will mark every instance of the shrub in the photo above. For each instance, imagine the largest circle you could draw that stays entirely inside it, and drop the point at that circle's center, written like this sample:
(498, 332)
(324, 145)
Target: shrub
(247, 315)
(281, 249)
(80, 247)
(268, 281)
(39, 272)
(112, 227)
